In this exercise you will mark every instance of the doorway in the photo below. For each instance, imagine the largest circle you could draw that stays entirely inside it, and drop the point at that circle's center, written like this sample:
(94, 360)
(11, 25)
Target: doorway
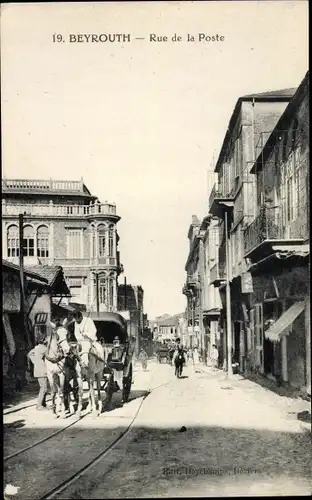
(237, 329)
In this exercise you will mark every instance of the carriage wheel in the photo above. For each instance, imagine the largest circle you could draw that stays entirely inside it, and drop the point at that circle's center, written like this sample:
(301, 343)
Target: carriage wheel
(126, 386)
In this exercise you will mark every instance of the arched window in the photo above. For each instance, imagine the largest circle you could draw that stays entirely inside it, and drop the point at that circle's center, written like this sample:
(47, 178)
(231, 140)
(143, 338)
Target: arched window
(13, 241)
(111, 290)
(43, 241)
(102, 289)
(29, 241)
(102, 230)
(111, 240)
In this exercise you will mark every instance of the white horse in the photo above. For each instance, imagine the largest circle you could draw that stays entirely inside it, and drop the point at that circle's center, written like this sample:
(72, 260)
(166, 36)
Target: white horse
(57, 349)
(92, 357)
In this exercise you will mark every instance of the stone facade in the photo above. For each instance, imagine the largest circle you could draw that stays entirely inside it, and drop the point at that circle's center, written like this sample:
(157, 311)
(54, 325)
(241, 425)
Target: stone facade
(65, 225)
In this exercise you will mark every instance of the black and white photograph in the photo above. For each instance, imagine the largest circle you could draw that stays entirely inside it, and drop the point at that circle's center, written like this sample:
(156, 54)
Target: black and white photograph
(155, 249)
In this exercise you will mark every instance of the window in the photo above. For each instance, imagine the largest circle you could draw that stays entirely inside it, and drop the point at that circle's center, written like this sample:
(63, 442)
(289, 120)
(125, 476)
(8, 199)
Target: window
(111, 291)
(290, 189)
(102, 290)
(29, 241)
(74, 243)
(13, 241)
(111, 240)
(43, 241)
(102, 230)
(75, 285)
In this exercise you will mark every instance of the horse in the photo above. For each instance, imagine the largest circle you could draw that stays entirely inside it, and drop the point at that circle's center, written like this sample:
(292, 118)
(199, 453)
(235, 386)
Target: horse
(92, 358)
(60, 371)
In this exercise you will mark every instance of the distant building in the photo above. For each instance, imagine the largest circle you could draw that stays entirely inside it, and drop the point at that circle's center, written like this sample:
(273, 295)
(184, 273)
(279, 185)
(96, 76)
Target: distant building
(65, 225)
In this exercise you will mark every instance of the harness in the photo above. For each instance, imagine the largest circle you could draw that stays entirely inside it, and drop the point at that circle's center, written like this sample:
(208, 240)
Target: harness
(60, 355)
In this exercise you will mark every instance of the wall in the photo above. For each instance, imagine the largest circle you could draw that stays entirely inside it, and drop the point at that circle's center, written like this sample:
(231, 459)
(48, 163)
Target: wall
(42, 304)
(269, 180)
(10, 291)
(296, 354)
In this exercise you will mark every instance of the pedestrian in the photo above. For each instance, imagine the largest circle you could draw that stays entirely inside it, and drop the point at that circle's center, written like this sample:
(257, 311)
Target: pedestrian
(214, 356)
(143, 358)
(36, 356)
(196, 360)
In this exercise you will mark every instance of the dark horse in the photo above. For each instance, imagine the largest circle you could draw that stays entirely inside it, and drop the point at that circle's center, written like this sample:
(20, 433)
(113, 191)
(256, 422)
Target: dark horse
(179, 361)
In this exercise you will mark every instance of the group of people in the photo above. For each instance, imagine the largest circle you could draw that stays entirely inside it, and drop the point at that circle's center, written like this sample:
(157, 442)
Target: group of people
(84, 330)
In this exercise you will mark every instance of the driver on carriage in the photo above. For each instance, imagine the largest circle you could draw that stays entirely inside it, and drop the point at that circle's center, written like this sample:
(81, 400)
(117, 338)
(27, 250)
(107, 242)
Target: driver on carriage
(85, 330)
(84, 327)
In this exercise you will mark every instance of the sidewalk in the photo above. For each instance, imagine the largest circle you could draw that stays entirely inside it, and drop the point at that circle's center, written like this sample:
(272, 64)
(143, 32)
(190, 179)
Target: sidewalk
(288, 400)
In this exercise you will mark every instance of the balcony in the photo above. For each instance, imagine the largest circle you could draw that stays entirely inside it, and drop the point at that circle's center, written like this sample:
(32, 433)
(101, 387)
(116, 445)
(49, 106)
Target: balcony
(191, 286)
(220, 199)
(267, 233)
(52, 210)
(42, 185)
(218, 274)
(66, 262)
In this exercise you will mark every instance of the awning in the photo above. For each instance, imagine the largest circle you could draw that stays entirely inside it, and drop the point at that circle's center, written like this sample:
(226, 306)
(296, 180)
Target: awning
(282, 325)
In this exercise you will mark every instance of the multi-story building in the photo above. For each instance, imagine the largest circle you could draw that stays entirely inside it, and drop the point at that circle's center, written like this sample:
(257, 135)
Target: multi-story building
(276, 248)
(211, 302)
(203, 299)
(65, 225)
(233, 200)
(130, 298)
(193, 285)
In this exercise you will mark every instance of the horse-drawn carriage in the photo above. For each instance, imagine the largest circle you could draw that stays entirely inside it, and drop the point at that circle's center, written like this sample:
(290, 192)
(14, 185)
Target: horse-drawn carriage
(112, 333)
(163, 354)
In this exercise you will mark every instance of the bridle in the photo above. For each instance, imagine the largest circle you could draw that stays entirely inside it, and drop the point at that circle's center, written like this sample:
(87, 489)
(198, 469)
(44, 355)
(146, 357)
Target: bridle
(60, 352)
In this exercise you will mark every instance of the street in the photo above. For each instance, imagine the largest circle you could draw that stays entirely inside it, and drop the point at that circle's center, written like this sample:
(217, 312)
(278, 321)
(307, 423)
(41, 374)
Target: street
(238, 439)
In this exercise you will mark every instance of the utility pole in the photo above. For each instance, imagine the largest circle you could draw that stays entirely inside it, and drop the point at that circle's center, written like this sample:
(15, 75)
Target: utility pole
(21, 265)
(228, 301)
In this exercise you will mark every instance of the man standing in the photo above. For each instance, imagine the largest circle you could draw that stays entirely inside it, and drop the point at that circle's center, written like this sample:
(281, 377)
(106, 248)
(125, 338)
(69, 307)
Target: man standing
(84, 327)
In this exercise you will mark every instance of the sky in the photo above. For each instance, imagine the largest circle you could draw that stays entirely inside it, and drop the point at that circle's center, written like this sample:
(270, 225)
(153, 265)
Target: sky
(142, 122)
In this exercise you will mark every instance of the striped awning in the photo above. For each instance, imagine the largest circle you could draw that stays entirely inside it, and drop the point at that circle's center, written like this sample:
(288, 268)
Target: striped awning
(283, 325)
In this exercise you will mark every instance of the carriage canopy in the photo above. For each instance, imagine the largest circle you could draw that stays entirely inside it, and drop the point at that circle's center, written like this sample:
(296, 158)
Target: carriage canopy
(109, 325)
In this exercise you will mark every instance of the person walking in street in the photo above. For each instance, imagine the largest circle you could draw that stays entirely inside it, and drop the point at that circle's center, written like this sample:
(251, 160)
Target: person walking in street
(143, 357)
(36, 355)
(215, 356)
(196, 360)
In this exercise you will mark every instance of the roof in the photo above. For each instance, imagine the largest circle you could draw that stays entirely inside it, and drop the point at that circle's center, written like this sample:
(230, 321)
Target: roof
(274, 95)
(284, 323)
(283, 122)
(38, 277)
(170, 321)
(54, 276)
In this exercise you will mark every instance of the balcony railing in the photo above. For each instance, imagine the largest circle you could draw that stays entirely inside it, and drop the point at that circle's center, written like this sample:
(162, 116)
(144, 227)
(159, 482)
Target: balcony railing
(217, 273)
(219, 194)
(268, 226)
(52, 210)
(66, 262)
(42, 185)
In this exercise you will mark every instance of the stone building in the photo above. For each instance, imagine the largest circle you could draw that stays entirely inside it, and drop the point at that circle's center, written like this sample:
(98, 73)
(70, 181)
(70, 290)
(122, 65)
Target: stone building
(192, 287)
(233, 201)
(65, 225)
(276, 248)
